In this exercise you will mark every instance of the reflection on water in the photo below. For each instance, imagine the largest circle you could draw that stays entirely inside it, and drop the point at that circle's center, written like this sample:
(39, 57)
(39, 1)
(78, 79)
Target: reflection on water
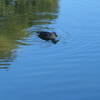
(35, 69)
(18, 15)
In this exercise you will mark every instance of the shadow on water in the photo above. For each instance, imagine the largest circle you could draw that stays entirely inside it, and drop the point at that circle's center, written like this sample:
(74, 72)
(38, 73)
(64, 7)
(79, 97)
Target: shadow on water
(18, 20)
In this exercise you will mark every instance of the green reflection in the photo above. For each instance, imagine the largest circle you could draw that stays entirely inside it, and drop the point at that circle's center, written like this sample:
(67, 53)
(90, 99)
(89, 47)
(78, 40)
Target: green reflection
(19, 15)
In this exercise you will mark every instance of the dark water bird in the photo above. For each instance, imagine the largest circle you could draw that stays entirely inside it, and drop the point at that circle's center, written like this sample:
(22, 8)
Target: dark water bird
(48, 36)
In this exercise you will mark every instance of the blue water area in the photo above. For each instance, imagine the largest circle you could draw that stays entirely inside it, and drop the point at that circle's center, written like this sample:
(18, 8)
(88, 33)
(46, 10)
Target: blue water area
(67, 70)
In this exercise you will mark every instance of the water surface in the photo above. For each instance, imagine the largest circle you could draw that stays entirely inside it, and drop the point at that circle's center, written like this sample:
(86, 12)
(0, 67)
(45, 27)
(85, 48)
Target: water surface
(34, 69)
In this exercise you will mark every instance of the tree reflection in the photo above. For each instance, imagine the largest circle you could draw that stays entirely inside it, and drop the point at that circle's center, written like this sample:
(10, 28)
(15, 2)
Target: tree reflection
(17, 15)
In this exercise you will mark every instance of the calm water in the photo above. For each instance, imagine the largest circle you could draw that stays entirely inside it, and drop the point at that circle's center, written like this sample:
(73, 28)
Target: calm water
(34, 69)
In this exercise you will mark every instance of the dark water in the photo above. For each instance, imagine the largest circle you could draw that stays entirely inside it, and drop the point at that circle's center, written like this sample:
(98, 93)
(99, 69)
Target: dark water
(34, 69)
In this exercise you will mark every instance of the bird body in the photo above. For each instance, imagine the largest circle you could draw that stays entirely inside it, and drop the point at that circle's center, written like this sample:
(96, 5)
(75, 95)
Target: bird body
(47, 35)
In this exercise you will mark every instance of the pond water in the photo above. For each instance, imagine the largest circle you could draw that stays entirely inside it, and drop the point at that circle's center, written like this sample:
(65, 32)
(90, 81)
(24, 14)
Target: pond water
(35, 69)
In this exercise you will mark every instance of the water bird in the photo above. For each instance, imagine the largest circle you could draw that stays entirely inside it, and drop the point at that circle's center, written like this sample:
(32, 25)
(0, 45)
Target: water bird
(48, 36)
